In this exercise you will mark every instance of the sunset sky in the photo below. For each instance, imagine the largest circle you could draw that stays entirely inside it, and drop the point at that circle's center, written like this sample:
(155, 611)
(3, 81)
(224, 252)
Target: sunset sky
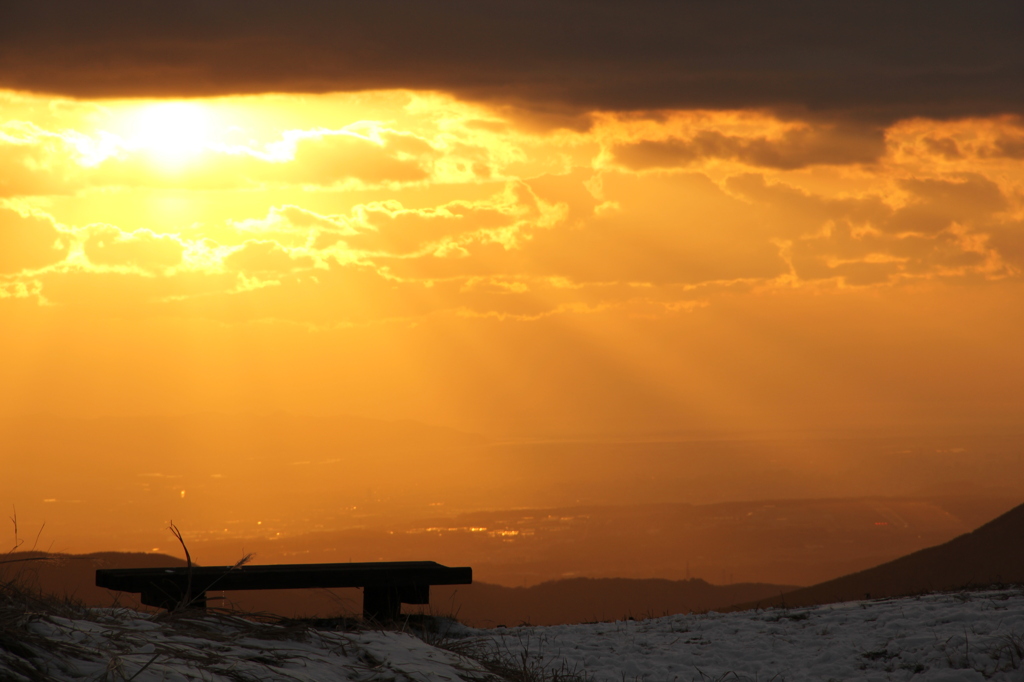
(520, 219)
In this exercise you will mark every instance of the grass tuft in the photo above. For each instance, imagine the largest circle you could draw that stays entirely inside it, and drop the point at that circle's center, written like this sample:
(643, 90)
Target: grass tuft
(524, 665)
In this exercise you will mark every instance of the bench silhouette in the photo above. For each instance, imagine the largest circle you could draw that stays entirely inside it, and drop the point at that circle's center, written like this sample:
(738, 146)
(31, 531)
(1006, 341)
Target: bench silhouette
(386, 585)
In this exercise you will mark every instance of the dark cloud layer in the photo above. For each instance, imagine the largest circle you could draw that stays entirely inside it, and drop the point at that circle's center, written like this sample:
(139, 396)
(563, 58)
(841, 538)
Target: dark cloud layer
(873, 59)
(796, 149)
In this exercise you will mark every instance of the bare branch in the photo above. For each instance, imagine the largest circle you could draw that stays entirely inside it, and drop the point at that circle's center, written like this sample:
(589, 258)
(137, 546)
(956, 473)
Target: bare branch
(186, 599)
(34, 544)
(28, 558)
(14, 520)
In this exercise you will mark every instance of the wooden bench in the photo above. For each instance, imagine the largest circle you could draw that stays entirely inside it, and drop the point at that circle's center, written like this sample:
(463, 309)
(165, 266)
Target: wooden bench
(386, 585)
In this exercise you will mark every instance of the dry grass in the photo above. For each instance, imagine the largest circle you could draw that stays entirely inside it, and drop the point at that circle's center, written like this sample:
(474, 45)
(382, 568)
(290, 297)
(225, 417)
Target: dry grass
(22, 650)
(519, 665)
(29, 656)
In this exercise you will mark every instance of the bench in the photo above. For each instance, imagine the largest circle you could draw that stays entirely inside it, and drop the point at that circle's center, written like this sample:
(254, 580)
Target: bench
(386, 585)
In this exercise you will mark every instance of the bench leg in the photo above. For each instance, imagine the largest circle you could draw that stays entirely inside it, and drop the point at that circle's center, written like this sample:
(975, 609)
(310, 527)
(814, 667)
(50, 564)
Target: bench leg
(381, 604)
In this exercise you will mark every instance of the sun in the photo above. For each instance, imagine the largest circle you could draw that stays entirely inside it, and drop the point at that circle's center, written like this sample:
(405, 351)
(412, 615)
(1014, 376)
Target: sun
(173, 133)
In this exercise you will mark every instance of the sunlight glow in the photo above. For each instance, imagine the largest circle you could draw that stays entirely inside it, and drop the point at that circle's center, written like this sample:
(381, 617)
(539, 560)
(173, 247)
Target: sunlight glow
(172, 132)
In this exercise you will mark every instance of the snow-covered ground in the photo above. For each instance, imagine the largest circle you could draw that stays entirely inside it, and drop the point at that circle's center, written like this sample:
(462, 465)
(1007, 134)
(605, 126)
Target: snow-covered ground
(124, 645)
(964, 636)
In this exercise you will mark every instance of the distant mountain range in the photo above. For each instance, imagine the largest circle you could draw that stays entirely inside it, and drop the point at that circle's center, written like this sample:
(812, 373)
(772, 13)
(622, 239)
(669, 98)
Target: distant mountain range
(73, 576)
(992, 554)
(562, 601)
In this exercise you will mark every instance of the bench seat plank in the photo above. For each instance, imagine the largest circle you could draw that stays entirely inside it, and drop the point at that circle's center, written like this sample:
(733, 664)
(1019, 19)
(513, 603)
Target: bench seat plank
(386, 584)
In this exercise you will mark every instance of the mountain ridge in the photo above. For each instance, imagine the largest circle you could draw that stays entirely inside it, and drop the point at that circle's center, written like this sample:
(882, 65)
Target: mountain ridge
(988, 555)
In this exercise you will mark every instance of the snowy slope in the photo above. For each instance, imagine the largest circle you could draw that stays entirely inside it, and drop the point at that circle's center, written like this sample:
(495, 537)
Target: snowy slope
(111, 644)
(967, 636)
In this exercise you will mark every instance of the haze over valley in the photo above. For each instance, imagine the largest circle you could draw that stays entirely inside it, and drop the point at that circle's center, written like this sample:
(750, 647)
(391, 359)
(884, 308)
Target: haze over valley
(768, 508)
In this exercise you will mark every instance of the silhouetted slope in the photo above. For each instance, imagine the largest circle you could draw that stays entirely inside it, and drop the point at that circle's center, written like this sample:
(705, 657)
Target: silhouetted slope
(994, 553)
(74, 575)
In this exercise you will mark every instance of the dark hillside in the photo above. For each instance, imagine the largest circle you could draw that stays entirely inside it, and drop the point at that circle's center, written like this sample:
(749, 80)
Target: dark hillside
(992, 554)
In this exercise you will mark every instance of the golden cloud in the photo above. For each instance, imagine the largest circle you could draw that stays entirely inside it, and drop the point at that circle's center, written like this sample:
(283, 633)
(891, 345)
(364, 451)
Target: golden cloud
(443, 207)
(261, 256)
(29, 242)
(108, 245)
(796, 148)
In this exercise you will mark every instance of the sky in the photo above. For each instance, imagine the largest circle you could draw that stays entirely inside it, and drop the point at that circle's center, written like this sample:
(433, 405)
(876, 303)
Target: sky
(518, 219)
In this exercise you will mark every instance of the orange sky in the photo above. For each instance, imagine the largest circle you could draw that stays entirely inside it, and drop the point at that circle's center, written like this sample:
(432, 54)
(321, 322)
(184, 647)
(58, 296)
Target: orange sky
(632, 253)
(407, 254)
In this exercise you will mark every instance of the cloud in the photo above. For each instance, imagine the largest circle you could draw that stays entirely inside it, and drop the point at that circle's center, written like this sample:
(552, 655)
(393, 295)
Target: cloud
(325, 157)
(1008, 240)
(873, 60)
(311, 157)
(129, 293)
(76, 152)
(941, 229)
(508, 219)
(795, 149)
(665, 230)
(645, 214)
(672, 229)
(294, 226)
(1008, 146)
(108, 245)
(938, 203)
(36, 161)
(302, 218)
(28, 242)
(22, 289)
(258, 256)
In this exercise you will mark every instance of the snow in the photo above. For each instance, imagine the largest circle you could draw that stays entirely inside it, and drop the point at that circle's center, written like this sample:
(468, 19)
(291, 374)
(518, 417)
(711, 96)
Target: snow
(965, 636)
(125, 645)
(962, 636)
